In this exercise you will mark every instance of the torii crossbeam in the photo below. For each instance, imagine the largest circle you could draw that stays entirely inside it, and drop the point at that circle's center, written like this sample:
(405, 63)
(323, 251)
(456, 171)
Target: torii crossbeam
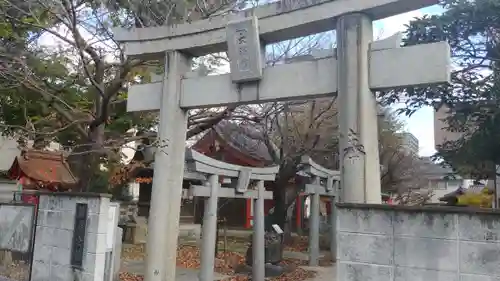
(389, 67)
(278, 21)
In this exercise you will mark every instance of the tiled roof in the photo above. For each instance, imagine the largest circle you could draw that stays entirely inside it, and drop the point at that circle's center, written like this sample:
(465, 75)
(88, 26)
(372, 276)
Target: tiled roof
(44, 166)
(9, 150)
(435, 170)
(132, 169)
(244, 138)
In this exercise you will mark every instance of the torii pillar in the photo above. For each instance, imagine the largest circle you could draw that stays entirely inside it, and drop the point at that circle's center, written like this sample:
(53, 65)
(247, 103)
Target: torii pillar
(353, 74)
(360, 181)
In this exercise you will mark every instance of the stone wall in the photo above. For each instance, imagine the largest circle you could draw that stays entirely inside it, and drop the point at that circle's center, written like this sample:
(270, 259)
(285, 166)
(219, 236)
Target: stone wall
(16, 227)
(54, 235)
(383, 242)
(7, 189)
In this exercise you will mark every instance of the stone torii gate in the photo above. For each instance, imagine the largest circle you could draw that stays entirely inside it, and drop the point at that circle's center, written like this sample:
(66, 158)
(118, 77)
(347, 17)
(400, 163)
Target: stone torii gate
(315, 188)
(358, 68)
(241, 178)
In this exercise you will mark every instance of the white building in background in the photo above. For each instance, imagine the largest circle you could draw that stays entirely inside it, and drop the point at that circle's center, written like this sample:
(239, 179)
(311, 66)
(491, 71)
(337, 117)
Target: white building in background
(410, 142)
(8, 152)
(440, 178)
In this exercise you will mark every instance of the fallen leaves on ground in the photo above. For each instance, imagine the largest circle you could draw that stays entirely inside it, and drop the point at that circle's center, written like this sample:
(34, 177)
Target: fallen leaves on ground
(125, 276)
(18, 271)
(133, 252)
(297, 244)
(189, 257)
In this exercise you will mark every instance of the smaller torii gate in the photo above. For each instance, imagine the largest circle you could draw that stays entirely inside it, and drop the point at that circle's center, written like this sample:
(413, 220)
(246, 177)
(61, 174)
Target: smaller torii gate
(315, 188)
(241, 178)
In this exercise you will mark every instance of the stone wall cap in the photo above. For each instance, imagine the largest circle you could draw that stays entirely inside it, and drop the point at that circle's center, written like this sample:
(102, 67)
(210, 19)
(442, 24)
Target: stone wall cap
(17, 204)
(431, 208)
(70, 194)
(125, 203)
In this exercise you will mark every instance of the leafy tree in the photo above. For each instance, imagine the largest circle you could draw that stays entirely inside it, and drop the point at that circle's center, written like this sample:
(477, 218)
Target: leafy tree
(472, 29)
(400, 169)
(294, 129)
(74, 90)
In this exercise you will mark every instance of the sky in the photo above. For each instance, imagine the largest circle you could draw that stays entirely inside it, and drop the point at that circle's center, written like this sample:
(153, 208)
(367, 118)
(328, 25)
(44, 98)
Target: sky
(421, 123)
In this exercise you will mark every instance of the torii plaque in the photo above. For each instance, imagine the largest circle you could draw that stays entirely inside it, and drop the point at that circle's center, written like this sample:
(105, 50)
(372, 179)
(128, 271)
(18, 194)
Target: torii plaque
(358, 68)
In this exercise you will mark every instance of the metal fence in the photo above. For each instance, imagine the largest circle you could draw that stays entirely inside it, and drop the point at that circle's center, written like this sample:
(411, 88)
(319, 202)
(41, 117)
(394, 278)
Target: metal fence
(17, 232)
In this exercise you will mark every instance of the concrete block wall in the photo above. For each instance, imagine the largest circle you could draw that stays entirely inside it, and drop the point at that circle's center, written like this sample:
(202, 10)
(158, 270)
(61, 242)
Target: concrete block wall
(117, 254)
(54, 234)
(383, 242)
(7, 189)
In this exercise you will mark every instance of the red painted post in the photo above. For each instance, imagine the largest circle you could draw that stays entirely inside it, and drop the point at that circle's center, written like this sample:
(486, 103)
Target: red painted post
(298, 212)
(248, 213)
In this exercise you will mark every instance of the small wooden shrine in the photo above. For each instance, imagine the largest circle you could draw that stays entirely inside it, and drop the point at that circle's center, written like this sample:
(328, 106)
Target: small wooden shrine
(229, 142)
(42, 170)
(236, 144)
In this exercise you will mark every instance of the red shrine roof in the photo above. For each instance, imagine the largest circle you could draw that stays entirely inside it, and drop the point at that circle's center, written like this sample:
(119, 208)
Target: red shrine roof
(242, 143)
(43, 166)
(245, 138)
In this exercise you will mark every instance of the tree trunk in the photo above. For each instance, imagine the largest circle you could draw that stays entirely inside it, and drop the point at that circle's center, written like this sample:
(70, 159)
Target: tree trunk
(86, 158)
(280, 206)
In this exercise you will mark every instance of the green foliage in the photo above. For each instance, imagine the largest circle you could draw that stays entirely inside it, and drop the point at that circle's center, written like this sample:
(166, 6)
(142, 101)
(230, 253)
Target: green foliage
(99, 182)
(471, 28)
(51, 93)
(483, 199)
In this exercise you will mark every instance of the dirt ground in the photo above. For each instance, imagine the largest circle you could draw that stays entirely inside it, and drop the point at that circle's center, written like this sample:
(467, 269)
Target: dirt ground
(231, 255)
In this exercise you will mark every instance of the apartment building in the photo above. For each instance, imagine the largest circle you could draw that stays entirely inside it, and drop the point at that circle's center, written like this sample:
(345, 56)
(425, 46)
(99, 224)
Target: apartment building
(410, 142)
